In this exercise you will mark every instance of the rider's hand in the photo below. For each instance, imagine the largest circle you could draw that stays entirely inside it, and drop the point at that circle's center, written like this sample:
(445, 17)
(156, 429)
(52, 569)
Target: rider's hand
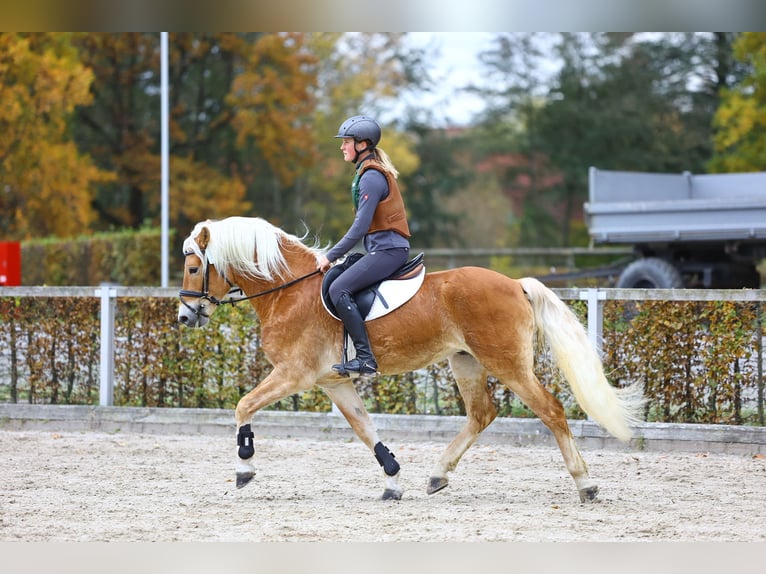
(323, 264)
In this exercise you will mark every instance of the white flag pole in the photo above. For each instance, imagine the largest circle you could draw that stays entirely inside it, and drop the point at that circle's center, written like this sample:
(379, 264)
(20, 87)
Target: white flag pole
(164, 156)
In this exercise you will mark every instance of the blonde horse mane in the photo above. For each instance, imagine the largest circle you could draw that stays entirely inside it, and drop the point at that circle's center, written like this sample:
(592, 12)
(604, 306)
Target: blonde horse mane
(235, 240)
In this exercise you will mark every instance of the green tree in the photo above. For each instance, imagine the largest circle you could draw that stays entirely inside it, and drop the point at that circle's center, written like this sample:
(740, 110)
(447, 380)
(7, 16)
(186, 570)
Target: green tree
(509, 133)
(567, 125)
(617, 101)
(438, 178)
(659, 98)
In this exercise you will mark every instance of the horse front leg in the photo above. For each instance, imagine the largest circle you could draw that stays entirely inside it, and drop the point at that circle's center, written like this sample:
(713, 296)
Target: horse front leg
(349, 403)
(279, 384)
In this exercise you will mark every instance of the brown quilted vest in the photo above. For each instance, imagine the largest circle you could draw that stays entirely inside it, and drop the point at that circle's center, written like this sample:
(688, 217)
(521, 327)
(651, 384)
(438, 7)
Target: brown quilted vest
(390, 213)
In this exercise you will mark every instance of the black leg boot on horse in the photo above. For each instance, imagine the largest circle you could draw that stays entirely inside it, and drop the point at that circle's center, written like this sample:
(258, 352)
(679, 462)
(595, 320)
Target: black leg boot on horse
(364, 363)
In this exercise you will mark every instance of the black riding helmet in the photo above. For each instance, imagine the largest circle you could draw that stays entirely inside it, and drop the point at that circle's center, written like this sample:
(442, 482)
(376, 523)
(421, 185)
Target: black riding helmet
(361, 128)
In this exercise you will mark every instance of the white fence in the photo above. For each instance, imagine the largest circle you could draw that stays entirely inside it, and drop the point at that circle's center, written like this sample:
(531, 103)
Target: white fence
(595, 298)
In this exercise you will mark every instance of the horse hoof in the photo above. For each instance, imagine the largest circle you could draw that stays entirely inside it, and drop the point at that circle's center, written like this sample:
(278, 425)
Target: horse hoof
(390, 494)
(436, 483)
(244, 478)
(588, 494)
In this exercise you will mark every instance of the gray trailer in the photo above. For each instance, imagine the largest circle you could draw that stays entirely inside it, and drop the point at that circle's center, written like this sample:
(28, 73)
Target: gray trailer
(706, 231)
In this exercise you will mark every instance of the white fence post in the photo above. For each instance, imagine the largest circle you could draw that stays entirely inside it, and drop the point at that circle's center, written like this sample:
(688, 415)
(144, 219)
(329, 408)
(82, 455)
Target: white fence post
(108, 305)
(595, 299)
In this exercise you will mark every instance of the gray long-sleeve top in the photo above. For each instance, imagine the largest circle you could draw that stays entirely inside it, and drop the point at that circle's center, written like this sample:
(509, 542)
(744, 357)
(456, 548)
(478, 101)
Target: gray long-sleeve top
(373, 188)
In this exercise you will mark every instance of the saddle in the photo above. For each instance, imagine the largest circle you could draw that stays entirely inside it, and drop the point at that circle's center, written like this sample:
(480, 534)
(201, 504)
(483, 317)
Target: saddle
(382, 297)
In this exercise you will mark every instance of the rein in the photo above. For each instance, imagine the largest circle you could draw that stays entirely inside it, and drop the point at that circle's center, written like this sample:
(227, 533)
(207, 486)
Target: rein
(205, 295)
(279, 287)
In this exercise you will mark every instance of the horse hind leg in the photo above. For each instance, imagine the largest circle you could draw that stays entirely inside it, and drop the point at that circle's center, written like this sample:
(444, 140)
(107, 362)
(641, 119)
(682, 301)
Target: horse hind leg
(471, 379)
(552, 414)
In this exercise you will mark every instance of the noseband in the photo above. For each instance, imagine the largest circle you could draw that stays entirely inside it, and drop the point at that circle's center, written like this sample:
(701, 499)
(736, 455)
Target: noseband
(205, 295)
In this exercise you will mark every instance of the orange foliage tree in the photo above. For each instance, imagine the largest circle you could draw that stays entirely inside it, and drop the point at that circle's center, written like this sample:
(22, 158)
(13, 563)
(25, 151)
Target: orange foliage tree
(252, 117)
(272, 103)
(47, 184)
(239, 109)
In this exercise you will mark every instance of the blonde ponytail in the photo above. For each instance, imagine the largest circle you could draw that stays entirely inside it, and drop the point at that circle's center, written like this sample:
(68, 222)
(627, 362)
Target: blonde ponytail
(386, 162)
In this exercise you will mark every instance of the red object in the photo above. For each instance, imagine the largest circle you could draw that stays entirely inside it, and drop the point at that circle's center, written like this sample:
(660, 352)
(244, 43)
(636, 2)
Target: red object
(10, 263)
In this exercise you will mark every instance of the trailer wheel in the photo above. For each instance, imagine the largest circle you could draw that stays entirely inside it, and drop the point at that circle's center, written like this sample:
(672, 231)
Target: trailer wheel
(650, 273)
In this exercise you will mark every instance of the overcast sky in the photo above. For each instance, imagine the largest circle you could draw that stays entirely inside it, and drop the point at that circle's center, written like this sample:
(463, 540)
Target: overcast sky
(455, 67)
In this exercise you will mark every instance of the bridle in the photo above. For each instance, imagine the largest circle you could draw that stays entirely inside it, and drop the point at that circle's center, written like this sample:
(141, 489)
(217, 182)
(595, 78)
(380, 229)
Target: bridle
(205, 295)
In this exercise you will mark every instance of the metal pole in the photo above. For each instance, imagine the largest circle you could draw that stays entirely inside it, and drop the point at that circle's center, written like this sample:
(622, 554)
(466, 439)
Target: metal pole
(164, 152)
(108, 305)
(759, 334)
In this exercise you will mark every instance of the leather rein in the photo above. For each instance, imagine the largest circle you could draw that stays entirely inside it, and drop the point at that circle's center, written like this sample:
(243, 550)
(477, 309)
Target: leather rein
(204, 295)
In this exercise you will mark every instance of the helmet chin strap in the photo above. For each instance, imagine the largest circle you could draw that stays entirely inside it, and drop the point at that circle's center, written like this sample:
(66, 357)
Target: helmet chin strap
(360, 152)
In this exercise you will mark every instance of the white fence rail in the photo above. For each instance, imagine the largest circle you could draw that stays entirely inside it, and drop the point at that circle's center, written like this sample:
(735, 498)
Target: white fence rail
(595, 297)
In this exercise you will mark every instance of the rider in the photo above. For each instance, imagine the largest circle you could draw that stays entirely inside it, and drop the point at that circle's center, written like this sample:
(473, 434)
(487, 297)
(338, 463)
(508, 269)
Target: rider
(380, 219)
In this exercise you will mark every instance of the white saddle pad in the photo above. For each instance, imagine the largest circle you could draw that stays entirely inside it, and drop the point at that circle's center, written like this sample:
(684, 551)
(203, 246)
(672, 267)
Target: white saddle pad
(393, 294)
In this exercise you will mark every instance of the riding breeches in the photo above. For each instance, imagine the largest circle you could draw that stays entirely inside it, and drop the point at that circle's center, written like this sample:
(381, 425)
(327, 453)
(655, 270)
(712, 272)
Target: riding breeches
(371, 268)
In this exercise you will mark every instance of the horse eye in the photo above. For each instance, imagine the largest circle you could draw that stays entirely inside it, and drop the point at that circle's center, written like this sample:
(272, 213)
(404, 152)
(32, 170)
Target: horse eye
(193, 270)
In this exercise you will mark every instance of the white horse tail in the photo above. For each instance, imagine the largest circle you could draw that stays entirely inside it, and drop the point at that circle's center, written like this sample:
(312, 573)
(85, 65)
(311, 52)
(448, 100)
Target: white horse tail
(615, 409)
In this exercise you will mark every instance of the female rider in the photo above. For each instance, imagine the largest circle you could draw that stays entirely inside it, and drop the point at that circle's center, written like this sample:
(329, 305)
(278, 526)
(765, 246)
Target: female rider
(380, 219)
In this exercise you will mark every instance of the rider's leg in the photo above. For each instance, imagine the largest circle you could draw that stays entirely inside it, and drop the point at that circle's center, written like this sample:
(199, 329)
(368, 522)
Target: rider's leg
(364, 363)
(370, 269)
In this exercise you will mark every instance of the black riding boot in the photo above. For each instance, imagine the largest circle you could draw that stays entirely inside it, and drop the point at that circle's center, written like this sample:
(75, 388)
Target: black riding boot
(364, 363)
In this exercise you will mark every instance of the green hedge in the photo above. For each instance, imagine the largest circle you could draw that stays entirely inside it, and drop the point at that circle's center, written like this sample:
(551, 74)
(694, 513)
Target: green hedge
(700, 361)
(131, 257)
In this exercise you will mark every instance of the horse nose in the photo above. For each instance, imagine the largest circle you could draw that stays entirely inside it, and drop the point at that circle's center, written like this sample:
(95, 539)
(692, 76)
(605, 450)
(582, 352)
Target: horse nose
(183, 319)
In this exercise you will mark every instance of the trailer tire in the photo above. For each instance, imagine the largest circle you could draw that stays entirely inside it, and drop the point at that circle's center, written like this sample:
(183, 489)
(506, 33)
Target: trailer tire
(650, 273)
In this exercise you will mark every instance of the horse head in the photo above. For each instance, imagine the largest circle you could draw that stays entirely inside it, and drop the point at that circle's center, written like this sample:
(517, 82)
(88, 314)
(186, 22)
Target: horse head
(203, 286)
(237, 254)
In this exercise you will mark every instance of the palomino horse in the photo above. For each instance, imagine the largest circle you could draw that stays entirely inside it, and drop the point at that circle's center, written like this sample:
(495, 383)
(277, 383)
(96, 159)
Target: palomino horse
(481, 321)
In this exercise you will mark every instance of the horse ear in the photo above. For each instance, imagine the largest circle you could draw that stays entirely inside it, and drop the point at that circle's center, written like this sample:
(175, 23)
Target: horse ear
(203, 238)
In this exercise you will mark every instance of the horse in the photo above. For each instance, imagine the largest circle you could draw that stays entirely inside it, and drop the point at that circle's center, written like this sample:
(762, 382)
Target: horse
(481, 321)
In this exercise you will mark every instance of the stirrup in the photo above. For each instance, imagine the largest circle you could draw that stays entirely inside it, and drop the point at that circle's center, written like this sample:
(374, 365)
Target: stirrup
(354, 366)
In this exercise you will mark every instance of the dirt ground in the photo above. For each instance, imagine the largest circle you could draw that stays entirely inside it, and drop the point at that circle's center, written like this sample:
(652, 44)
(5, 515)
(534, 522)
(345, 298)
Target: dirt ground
(88, 486)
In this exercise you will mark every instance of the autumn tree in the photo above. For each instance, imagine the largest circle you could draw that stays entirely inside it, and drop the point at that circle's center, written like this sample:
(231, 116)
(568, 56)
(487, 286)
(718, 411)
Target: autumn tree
(272, 101)
(47, 184)
(740, 121)
(122, 127)
(358, 73)
(238, 109)
(252, 117)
